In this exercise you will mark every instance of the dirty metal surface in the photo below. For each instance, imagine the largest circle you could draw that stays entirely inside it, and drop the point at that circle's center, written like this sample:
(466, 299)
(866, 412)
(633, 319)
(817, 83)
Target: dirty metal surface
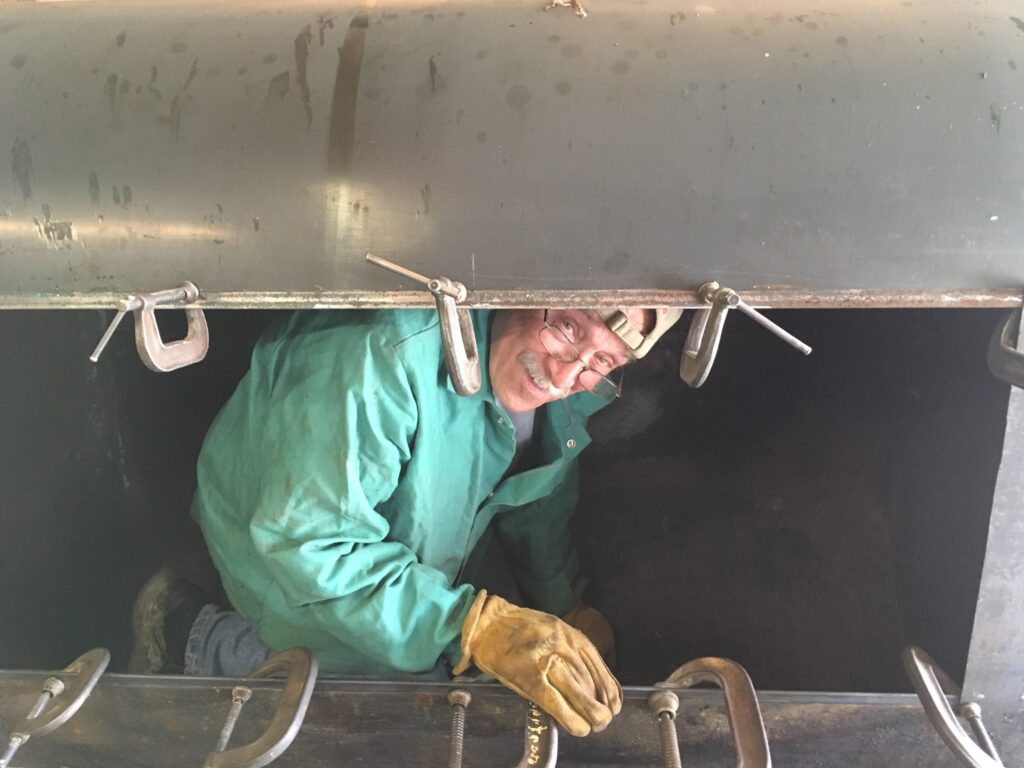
(174, 721)
(507, 298)
(260, 148)
(995, 662)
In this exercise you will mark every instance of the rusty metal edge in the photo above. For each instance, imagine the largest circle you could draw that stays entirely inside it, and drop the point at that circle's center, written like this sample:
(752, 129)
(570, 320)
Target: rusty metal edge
(775, 298)
(440, 689)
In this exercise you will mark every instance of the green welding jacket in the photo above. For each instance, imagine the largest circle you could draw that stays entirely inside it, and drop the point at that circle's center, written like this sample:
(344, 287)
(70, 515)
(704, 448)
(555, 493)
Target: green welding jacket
(344, 484)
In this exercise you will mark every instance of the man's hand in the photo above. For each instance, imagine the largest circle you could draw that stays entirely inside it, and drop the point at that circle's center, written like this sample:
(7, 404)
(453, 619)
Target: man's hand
(543, 659)
(591, 623)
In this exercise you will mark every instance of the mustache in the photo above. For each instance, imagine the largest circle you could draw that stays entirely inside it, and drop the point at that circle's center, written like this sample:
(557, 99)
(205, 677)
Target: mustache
(537, 375)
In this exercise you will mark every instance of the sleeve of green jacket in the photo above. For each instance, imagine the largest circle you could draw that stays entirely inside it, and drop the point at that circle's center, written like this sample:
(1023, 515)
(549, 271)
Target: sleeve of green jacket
(540, 550)
(339, 425)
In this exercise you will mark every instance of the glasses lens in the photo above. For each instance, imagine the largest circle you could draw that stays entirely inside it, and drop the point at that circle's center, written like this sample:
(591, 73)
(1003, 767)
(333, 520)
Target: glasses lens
(558, 345)
(598, 385)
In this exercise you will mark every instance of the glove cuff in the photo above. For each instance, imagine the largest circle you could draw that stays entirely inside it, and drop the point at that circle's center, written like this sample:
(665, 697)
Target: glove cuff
(469, 631)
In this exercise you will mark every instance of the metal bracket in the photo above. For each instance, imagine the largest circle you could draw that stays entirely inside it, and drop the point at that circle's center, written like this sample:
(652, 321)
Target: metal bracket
(932, 686)
(157, 355)
(301, 669)
(457, 335)
(740, 704)
(706, 331)
(60, 700)
(1004, 359)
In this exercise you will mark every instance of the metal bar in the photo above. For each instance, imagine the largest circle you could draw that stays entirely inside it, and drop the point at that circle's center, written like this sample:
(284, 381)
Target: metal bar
(534, 299)
(775, 328)
(434, 284)
(366, 723)
(972, 714)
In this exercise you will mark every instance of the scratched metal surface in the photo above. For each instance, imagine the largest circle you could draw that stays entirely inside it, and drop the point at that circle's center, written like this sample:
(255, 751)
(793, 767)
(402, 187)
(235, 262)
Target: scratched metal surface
(157, 722)
(260, 148)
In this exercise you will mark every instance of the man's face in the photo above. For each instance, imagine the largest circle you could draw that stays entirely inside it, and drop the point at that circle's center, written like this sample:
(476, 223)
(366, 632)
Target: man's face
(525, 376)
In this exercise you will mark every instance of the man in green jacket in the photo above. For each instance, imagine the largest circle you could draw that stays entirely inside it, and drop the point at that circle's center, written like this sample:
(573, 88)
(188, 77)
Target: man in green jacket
(345, 483)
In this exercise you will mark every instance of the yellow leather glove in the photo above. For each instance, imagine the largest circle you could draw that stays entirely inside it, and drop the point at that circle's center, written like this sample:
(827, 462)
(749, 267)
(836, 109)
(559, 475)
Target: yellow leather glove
(543, 659)
(591, 623)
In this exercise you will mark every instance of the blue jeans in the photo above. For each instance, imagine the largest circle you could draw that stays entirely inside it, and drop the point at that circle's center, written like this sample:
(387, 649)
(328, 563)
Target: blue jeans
(223, 644)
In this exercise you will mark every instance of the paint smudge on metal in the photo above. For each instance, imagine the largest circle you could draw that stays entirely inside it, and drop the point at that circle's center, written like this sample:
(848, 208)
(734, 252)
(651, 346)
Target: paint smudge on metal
(178, 48)
(193, 71)
(19, 61)
(117, 195)
(341, 134)
(1019, 22)
(302, 41)
(676, 18)
(21, 167)
(518, 96)
(432, 66)
(175, 118)
(151, 87)
(324, 23)
(255, 223)
(94, 187)
(121, 37)
(996, 118)
(55, 233)
(279, 85)
(126, 195)
(110, 90)
(269, 58)
(425, 197)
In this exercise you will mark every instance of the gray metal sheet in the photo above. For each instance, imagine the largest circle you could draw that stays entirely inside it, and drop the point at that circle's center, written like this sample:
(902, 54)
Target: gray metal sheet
(174, 721)
(260, 148)
(995, 662)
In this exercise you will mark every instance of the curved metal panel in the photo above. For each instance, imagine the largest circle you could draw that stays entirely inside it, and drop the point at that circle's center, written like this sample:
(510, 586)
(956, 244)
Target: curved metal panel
(263, 147)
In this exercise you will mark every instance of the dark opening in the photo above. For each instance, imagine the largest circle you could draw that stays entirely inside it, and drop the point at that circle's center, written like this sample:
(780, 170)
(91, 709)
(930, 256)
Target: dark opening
(807, 517)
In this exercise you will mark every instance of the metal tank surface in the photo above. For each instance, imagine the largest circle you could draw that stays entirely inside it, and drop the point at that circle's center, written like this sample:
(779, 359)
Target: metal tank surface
(862, 153)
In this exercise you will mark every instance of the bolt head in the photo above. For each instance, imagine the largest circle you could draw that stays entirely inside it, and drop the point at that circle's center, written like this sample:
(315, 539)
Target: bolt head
(459, 697)
(54, 686)
(241, 694)
(970, 709)
(662, 702)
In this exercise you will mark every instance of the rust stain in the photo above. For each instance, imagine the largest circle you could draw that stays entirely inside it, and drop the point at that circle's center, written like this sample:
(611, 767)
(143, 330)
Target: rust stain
(302, 41)
(341, 133)
(324, 23)
(193, 71)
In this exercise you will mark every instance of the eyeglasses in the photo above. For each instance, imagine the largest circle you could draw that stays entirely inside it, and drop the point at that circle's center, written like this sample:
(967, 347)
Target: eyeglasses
(593, 378)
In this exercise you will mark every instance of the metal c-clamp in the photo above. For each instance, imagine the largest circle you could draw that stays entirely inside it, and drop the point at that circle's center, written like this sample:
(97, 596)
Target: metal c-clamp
(932, 685)
(740, 704)
(302, 669)
(457, 335)
(1004, 359)
(60, 700)
(706, 331)
(540, 737)
(157, 355)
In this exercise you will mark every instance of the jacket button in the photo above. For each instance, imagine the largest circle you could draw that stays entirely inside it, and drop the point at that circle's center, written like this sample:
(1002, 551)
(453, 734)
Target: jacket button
(570, 443)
